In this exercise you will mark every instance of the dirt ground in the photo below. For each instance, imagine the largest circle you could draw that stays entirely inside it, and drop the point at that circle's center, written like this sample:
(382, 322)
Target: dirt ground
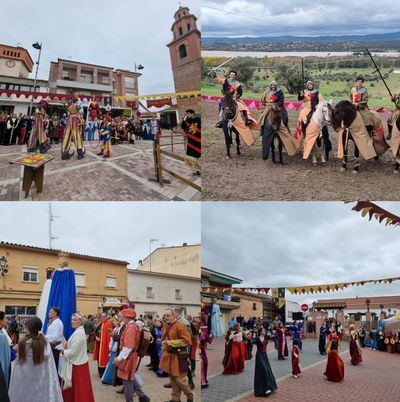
(248, 177)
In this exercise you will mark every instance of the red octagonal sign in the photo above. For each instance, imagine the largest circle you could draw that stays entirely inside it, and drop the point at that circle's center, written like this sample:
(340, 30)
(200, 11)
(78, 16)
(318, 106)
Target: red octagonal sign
(304, 307)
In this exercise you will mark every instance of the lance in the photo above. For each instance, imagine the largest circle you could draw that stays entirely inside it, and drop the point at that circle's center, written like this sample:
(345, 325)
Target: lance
(302, 73)
(377, 69)
(222, 64)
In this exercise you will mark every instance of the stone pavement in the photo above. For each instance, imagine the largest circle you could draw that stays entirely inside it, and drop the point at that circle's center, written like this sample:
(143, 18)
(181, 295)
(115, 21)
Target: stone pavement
(123, 177)
(152, 385)
(376, 379)
(235, 387)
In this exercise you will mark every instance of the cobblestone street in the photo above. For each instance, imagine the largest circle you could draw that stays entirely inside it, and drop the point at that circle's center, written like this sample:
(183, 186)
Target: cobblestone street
(372, 380)
(153, 386)
(123, 177)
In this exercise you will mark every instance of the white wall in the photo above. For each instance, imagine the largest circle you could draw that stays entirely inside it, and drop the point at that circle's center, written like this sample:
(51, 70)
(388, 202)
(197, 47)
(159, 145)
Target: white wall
(163, 288)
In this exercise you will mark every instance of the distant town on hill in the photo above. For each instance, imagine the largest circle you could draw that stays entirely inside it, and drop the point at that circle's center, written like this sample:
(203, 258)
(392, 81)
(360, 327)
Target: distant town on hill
(354, 43)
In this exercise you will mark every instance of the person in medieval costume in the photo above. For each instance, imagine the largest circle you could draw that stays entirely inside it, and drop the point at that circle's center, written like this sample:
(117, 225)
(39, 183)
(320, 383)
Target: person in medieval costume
(54, 333)
(264, 379)
(389, 342)
(103, 335)
(311, 97)
(216, 319)
(359, 98)
(5, 349)
(176, 339)
(76, 383)
(234, 364)
(3, 387)
(11, 130)
(296, 333)
(106, 135)
(126, 361)
(355, 347)
(282, 345)
(94, 111)
(296, 367)
(273, 99)
(323, 333)
(231, 85)
(335, 367)
(72, 133)
(205, 339)
(157, 351)
(38, 134)
(108, 376)
(191, 125)
(34, 376)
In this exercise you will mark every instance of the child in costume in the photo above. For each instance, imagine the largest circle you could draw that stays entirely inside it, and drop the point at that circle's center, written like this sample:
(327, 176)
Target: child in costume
(106, 134)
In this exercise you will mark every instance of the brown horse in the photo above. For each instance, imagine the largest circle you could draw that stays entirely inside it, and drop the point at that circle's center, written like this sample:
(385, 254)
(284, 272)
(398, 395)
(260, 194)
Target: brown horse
(343, 116)
(269, 132)
(229, 108)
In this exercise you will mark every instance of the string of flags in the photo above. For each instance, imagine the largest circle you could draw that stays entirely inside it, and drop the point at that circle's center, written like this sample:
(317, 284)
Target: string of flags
(380, 214)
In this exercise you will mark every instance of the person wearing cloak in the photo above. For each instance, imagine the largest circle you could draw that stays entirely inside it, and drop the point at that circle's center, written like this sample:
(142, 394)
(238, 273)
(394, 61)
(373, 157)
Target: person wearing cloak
(38, 134)
(282, 346)
(323, 332)
(215, 319)
(34, 368)
(296, 333)
(264, 379)
(355, 348)
(174, 360)
(359, 98)
(101, 345)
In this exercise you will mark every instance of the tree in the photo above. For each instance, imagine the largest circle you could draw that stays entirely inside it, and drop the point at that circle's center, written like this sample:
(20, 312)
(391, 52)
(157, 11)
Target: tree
(244, 67)
(290, 76)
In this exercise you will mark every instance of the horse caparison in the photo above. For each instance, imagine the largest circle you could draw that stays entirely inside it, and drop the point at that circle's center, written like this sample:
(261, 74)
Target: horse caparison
(229, 113)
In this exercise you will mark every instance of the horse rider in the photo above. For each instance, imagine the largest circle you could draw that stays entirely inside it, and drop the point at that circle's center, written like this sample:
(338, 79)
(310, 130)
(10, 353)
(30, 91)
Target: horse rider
(273, 98)
(311, 97)
(234, 87)
(359, 98)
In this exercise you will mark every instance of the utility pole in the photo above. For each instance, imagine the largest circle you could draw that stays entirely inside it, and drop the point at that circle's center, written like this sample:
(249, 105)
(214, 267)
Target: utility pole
(51, 218)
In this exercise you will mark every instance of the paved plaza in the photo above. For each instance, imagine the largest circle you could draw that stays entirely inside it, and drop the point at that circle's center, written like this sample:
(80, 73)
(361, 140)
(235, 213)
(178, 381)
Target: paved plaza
(127, 176)
(153, 386)
(371, 381)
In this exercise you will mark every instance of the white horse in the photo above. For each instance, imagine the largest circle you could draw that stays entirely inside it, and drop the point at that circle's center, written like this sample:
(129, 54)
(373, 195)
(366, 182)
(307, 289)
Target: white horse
(317, 131)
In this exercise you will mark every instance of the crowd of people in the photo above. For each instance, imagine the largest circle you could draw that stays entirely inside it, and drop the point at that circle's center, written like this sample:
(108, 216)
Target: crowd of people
(58, 369)
(16, 129)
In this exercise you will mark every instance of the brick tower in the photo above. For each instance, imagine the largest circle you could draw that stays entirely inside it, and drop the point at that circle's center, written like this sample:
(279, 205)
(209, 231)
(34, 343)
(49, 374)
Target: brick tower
(185, 53)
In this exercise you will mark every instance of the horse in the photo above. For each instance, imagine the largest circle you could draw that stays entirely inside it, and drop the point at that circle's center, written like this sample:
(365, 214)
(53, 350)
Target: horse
(322, 117)
(272, 123)
(229, 111)
(343, 116)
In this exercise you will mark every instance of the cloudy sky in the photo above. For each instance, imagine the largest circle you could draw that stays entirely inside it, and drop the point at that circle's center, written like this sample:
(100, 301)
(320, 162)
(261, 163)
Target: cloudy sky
(298, 17)
(119, 230)
(110, 33)
(281, 244)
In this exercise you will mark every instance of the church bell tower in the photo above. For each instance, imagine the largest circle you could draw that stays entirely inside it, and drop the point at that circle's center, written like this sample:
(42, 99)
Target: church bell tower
(185, 53)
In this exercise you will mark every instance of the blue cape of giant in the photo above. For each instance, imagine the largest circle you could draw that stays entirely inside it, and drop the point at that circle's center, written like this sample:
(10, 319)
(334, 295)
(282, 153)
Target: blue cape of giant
(63, 296)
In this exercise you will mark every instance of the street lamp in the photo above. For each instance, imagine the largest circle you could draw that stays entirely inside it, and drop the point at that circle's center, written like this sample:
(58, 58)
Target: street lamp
(37, 46)
(138, 67)
(368, 302)
(3, 266)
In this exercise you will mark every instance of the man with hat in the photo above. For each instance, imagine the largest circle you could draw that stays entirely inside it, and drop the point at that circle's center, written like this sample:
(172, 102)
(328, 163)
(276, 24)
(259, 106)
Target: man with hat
(174, 360)
(126, 361)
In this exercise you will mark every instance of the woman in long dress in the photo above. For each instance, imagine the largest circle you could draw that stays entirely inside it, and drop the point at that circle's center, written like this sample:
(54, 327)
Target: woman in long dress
(355, 349)
(296, 368)
(334, 368)
(34, 377)
(76, 383)
(264, 379)
(235, 362)
(109, 373)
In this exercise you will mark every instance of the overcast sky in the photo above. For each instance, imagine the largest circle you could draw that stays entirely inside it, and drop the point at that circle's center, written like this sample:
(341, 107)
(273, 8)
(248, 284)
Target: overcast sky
(282, 244)
(110, 33)
(119, 230)
(299, 17)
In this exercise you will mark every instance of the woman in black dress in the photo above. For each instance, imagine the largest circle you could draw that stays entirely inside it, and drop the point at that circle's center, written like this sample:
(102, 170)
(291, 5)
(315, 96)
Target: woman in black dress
(264, 380)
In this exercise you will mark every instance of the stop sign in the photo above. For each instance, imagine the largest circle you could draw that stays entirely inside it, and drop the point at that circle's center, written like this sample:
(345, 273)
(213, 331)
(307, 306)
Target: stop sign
(304, 308)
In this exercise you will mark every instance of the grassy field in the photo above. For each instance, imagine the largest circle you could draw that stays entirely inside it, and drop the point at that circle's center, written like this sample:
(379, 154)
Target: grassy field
(333, 89)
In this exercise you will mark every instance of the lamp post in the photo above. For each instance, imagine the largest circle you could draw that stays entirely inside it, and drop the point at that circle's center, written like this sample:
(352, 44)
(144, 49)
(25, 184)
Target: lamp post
(382, 317)
(368, 315)
(3, 269)
(138, 67)
(37, 46)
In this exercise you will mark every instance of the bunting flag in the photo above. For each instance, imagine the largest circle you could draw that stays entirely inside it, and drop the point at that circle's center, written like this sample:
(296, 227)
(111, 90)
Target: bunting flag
(332, 287)
(178, 95)
(159, 102)
(253, 104)
(380, 214)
